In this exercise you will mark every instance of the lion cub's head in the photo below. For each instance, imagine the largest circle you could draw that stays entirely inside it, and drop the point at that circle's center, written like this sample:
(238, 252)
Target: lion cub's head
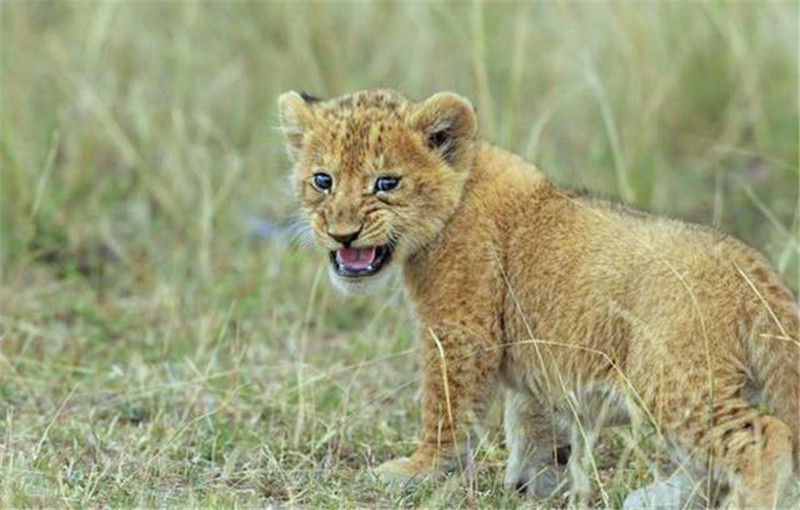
(378, 176)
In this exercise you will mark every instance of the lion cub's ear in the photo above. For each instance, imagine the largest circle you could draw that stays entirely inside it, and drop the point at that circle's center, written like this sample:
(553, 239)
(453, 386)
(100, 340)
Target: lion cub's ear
(448, 122)
(295, 114)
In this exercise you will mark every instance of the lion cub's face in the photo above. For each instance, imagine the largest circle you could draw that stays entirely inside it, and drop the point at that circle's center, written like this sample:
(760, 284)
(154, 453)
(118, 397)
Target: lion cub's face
(378, 177)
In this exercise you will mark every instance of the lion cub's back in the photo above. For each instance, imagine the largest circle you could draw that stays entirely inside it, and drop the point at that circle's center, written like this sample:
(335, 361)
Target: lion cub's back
(575, 259)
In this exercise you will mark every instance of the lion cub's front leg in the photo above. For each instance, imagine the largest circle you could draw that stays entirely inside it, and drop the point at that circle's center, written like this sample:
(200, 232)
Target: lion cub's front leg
(458, 377)
(538, 449)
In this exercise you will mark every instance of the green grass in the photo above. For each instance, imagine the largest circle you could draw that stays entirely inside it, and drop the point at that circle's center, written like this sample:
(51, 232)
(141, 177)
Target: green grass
(153, 353)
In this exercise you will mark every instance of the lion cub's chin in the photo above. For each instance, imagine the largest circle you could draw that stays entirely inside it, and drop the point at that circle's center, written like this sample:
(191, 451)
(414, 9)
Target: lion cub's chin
(350, 286)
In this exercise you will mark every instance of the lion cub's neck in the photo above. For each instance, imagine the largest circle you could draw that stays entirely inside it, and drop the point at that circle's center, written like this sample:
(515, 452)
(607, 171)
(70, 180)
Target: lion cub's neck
(501, 187)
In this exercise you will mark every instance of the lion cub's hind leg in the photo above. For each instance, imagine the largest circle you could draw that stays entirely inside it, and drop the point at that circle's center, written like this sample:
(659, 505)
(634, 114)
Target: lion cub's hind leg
(538, 450)
(749, 451)
(758, 454)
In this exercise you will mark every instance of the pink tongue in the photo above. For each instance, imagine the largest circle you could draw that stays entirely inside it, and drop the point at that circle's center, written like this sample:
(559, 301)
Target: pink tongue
(355, 258)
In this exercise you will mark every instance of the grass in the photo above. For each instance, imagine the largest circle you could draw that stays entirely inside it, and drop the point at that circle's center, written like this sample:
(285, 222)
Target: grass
(155, 352)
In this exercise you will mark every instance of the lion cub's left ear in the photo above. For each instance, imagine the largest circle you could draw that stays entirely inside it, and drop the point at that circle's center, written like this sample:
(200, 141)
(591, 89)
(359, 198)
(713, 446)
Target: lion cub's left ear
(295, 114)
(448, 123)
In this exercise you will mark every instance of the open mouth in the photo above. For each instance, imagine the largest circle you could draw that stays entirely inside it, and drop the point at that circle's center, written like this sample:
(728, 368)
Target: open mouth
(355, 262)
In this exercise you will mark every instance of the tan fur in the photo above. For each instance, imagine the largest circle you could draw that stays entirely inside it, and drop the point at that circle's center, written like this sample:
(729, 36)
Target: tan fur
(582, 309)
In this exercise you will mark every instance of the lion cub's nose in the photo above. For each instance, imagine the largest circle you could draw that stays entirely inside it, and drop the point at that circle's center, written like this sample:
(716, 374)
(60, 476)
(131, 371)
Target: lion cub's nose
(345, 239)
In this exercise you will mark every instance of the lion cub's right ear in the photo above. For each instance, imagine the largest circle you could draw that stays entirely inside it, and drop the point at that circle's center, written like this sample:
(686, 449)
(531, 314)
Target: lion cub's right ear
(447, 122)
(295, 115)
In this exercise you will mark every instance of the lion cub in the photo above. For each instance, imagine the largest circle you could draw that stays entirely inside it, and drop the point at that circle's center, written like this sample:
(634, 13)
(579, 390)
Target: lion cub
(585, 311)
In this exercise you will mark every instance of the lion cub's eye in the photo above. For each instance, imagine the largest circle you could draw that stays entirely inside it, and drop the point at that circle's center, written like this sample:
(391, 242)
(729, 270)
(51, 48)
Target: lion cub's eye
(322, 182)
(386, 183)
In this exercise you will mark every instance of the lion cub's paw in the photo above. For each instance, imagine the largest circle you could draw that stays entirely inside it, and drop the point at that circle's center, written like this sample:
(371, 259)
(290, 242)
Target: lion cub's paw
(541, 480)
(670, 494)
(406, 469)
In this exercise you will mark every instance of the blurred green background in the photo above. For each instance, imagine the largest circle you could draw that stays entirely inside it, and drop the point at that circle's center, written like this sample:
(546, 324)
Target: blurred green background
(159, 348)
